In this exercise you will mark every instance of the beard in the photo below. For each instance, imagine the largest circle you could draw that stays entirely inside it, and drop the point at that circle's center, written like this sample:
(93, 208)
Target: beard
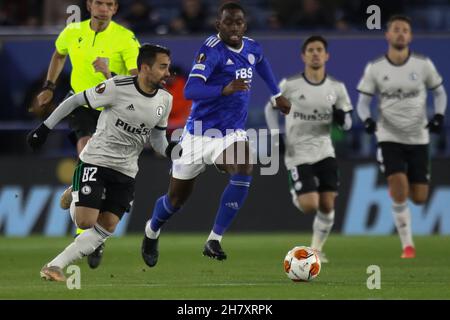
(399, 46)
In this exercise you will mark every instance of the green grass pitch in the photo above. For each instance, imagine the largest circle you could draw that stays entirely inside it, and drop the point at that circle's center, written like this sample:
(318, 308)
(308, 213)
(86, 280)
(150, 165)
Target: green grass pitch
(254, 269)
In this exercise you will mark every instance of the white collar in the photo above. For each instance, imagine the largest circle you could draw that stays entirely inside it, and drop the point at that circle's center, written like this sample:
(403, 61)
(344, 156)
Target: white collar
(231, 48)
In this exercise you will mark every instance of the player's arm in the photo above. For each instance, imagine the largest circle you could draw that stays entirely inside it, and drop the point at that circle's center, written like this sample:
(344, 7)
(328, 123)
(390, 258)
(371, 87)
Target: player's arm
(38, 136)
(433, 81)
(265, 71)
(272, 119)
(197, 86)
(366, 88)
(54, 70)
(158, 134)
(440, 105)
(342, 110)
(101, 95)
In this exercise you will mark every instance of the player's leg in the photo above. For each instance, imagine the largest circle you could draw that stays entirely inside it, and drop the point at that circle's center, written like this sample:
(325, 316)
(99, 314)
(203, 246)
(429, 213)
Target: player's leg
(393, 163)
(304, 184)
(184, 172)
(419, 193)
(326, 172)
(164, 208)
(419, 173)
(84, 212)
(236, 161)
(399, 190)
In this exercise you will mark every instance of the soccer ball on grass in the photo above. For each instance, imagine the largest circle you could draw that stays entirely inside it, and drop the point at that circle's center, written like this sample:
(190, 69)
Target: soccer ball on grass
(302, 264)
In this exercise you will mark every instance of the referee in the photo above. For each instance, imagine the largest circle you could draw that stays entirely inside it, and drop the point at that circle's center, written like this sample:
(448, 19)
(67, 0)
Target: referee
(98, 49)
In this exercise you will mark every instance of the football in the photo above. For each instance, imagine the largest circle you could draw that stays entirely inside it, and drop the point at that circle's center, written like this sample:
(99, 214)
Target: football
(302, 264)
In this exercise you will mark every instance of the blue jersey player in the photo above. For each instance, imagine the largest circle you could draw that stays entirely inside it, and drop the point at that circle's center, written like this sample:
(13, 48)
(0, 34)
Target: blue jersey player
(219, 85)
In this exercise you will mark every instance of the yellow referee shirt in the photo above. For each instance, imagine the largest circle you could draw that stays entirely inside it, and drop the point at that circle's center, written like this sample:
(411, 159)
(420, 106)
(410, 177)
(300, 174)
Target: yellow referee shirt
(84, 45)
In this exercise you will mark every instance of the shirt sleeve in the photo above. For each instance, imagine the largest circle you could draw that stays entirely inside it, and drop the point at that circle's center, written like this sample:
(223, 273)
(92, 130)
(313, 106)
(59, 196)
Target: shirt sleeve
(433, 78)
(205, 62)
(283, 91)
(162, 124)
(343, 101)
(130, 51)
(103, 95)
(63, 40)
(367, 83)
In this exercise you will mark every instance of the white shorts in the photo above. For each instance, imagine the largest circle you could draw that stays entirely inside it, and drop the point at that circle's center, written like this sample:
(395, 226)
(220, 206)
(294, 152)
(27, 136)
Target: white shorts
(200, 151)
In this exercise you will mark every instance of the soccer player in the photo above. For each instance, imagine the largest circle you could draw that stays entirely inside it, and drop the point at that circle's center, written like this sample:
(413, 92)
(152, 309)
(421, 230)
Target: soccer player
(136, 111)
(219, 85)
(401, 79)
(98, 49)
(317, 100)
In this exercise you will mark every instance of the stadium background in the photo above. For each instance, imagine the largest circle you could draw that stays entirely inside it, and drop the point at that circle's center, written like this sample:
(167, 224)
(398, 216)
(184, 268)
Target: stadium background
(30, 184)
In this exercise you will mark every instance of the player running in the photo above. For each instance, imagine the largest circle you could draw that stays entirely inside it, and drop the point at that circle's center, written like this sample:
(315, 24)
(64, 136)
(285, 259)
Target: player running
(219, 85)
(98, 49)
(401, 79)
(136, 111)
(317, 100)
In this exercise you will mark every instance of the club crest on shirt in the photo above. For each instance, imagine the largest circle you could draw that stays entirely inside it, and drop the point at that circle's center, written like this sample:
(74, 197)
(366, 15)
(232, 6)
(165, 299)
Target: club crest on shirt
(159, 111)
(251, 58)
(413, 76)
(201, 57)
(100, 88)
(331, 97)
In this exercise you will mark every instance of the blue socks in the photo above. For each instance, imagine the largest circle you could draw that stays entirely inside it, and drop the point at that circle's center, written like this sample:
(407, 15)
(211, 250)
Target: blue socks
(232, 199)
(162, 212)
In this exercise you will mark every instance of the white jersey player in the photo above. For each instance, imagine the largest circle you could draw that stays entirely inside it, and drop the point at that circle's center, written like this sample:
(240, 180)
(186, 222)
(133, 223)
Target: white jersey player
(317, 100)
(400, 79)
(136, 112)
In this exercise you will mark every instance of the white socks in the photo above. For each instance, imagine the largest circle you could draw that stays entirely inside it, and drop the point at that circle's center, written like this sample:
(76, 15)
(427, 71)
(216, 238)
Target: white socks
(402, 219)
(321, 229)
(149, 232)
(83, 245)
(214, 236)
(72, 213)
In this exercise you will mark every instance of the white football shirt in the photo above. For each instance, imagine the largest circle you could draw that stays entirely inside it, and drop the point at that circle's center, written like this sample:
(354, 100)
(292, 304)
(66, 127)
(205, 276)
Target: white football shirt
(125, 124)
(402, 95)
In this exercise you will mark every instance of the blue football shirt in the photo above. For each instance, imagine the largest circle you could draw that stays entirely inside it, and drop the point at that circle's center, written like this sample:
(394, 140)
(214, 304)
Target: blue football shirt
(218, 64)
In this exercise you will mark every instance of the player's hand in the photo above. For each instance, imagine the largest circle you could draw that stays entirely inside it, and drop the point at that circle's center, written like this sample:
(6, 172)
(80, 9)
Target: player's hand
(283, 104)
(338, 116)
(235, 86)
(370, 126)
(436, 124)
(102, 65)
(174, 150)
(37, 137)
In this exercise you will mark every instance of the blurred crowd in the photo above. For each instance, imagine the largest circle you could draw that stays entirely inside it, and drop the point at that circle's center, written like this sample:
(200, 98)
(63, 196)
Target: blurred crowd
(198, 16)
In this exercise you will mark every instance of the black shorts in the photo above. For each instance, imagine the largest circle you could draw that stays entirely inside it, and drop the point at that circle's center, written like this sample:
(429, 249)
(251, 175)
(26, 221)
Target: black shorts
(83, 122)
(321, 176)
(413, 160)
(102, 188)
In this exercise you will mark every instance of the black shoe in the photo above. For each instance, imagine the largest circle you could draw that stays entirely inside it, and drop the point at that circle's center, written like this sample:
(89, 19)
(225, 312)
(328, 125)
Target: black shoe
(95, 257)
(150, 251)
(214, 250)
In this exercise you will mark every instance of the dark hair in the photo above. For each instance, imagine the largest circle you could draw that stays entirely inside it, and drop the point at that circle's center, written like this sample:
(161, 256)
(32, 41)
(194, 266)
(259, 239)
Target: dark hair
(314, 39)
(398, 17)
(230, 6)
(148, 52)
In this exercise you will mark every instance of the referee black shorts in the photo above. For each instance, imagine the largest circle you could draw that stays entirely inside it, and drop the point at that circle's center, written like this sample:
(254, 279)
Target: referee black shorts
(83, 122)
(413, 160)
